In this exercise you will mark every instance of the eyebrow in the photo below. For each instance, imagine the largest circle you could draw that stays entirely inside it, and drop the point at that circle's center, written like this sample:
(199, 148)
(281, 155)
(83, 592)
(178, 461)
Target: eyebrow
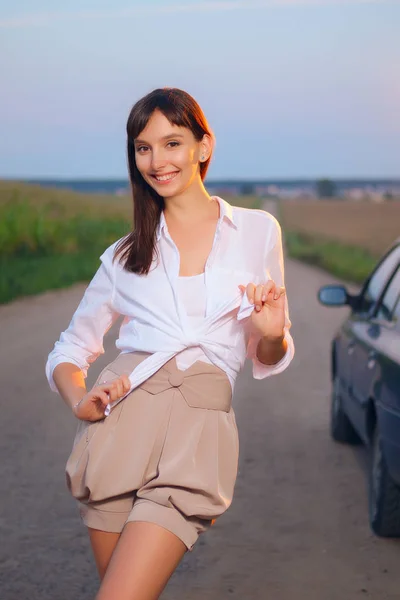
(165, 137)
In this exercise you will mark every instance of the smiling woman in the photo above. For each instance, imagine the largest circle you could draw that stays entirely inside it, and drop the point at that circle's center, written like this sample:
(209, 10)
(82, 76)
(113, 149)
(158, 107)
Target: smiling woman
(200, 284)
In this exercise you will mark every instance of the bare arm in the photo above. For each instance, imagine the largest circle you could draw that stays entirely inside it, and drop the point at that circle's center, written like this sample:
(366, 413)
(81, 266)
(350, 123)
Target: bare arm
(271, 351)
(70, 383)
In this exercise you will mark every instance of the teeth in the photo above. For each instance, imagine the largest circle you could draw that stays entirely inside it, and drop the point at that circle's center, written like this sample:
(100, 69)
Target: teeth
(165, 177)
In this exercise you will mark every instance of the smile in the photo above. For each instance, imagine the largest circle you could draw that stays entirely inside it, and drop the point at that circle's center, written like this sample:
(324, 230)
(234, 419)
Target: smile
(165, 178)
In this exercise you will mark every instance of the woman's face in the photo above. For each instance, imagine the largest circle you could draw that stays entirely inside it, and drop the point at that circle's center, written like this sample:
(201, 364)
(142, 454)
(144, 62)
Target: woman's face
(168, 156)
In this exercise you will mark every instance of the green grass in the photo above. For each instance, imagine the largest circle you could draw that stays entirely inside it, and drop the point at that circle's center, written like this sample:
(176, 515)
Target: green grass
(350, 263)
(47, 242)
(28, 230)
(25, 277)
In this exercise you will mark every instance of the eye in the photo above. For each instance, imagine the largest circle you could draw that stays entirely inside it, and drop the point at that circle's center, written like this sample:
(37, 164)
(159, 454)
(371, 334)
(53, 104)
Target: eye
(140, 148)
(173, 144)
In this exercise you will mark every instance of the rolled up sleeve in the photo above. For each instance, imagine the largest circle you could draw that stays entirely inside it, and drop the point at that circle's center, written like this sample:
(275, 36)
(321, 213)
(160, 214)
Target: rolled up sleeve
(274, 270)
(82, 342)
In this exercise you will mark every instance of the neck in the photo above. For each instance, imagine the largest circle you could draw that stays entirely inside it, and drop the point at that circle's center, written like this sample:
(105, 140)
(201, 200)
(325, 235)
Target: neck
(193, 204)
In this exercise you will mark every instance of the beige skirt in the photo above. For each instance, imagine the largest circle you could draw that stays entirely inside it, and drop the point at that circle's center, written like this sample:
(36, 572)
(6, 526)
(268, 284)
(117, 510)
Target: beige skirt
(167, 453)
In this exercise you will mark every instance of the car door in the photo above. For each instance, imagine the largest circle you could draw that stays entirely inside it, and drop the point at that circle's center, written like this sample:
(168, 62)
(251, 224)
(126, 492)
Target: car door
(344, 348)
(388, 394)
(367, 332)
(388, 346)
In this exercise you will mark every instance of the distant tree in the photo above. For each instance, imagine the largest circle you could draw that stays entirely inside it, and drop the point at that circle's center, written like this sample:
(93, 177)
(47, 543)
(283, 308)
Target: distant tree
(326, 188)
(247, 189)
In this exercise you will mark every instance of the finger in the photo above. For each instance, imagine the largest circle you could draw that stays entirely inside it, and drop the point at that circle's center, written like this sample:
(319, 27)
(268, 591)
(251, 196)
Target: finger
(126, 382)
(277, 292)
(116, 387)
(257, 297)
(267, 288)
(121, 387)
(108, 388)
(250, 289)
(280, 291)
(118, 390)
(102, 396)
(107, 383)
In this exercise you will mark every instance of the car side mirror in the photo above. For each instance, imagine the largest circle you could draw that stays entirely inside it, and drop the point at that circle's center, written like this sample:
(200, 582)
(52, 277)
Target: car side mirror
(333, 295)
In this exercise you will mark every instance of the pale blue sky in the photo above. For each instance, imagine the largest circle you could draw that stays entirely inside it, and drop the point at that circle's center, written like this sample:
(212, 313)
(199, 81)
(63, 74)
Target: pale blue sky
(291, 88)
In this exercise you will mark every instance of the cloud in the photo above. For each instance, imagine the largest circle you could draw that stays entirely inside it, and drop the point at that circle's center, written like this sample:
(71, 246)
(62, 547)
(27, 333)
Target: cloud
(42, 19)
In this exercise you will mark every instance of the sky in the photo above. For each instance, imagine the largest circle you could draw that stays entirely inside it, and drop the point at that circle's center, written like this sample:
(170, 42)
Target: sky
(291, 88)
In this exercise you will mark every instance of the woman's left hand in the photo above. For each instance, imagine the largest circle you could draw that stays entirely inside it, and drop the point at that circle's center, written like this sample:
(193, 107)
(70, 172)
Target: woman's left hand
(268, 316)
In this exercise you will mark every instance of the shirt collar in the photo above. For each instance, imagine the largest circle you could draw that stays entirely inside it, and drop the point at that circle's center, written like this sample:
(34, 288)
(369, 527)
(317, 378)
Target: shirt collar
(160, 225)
(226, 213)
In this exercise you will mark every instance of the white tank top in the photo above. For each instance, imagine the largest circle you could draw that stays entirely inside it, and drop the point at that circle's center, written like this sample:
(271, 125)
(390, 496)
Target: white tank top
(192, 292)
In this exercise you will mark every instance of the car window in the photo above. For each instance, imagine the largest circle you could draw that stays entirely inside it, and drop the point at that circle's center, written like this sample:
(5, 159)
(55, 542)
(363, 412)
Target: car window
(390, 298)
(379, 279)
(396, 315)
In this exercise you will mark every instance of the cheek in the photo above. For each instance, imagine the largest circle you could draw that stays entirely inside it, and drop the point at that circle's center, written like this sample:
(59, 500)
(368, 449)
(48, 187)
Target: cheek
(192, 157)
(142, 163)
(184, 158)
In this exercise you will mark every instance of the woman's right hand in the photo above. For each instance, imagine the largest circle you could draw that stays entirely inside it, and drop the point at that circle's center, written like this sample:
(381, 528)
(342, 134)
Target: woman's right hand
(92, 405)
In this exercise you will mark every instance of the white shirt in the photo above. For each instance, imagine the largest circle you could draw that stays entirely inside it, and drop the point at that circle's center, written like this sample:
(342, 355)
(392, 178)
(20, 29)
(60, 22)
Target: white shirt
(247, 248)
(192, 292)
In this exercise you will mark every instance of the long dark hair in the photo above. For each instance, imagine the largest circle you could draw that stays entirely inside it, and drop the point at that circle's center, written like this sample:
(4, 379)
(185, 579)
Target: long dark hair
(137, 248)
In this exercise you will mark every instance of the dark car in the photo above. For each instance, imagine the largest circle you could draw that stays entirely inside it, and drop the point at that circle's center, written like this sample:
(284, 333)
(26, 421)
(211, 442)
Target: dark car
(365, 367)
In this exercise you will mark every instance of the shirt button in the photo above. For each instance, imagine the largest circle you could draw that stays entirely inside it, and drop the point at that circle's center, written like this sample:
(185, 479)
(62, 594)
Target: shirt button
(176, 378)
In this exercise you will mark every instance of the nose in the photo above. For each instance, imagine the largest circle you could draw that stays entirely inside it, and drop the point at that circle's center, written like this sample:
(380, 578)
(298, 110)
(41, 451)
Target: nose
(157, 160)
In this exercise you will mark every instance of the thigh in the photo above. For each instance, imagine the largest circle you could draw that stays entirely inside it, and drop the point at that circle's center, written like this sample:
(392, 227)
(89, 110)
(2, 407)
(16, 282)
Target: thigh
(103, 544)
(105, 521)
(142, 563)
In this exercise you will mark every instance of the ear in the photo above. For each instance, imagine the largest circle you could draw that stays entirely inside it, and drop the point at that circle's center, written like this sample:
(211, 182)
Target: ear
(206, 147)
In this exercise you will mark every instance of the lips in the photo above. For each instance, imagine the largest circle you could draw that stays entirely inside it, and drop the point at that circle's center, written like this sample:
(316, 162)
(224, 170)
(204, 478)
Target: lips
(166, 177)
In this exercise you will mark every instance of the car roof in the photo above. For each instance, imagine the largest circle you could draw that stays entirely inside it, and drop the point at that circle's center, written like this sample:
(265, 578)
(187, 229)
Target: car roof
(393, 244)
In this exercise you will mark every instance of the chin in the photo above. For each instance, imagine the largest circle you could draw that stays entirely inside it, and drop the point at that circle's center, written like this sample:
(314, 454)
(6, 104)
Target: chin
(172, 192)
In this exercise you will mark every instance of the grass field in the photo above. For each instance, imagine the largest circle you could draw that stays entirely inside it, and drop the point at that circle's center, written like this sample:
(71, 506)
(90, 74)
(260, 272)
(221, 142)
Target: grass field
(51, 238)
(345, 238)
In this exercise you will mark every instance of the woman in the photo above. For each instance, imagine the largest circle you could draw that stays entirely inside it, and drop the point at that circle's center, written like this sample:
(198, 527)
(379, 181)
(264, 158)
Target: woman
(200, 284)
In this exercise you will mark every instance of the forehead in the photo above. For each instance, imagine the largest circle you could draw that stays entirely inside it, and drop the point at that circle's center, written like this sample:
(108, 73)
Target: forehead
(159, 127)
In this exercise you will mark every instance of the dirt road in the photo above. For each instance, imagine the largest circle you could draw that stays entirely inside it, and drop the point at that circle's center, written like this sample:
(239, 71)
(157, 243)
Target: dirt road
(297, 528)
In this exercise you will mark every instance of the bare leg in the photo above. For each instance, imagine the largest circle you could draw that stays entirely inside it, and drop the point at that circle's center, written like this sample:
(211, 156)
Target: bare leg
(103, 544)
(142, 563)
